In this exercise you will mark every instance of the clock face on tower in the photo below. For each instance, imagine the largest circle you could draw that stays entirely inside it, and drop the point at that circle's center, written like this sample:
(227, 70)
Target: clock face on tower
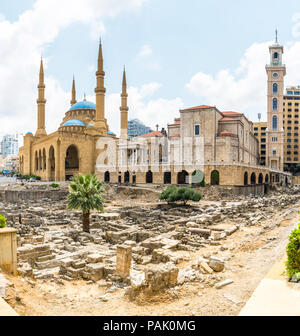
(275, 74)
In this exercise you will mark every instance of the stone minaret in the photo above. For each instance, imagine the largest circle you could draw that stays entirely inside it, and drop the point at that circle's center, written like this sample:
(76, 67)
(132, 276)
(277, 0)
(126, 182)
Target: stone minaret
(73, 101)
(41, 102)
(275, 133)
(124, 109)
(100, 90)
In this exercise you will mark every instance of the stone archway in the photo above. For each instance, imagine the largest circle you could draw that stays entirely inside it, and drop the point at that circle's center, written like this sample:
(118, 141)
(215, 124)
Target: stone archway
(149, 177)
(245, 179)
(167, 178)
(71, 162)
(51, 164)
(260, 178)
(215, 177)
(267, 178)
(126, 177)
(107, 177)
(182, 177)
(44, 159)
(253, 178)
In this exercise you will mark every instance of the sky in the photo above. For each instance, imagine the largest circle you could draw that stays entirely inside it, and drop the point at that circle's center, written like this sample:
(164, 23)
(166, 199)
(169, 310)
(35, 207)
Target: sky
(177, 54)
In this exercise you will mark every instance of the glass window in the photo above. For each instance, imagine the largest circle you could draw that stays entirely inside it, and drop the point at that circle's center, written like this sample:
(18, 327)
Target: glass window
(275, 56)
(275, 88)
(274, 122)
(275, 104)
(197, 129)
(275, 74)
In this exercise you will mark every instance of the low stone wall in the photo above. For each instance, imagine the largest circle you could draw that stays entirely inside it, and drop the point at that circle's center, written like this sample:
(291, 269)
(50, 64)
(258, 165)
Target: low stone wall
(255, 190)
(13, 196)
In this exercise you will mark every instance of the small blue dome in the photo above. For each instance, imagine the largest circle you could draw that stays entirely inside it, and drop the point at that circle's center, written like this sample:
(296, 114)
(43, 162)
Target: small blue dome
(110, 133)
(83, 105)
(28, 133)
(91, 125)
(74, 122)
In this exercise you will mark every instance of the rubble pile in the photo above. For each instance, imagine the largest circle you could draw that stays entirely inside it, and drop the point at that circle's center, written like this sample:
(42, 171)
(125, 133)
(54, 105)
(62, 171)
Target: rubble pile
(53, 247)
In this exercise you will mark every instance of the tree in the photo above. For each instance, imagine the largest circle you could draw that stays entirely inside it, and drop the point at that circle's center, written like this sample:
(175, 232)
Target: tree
(173, 194)
(85, 193)
(2, 222)
(293, 253)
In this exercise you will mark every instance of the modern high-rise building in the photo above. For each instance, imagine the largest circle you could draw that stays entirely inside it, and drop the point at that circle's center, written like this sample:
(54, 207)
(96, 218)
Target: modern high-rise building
(291, 102)
(137, 128)
(9, 145)
(260, 129)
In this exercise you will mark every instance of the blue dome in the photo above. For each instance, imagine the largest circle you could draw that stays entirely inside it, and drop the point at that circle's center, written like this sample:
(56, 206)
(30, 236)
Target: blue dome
(74, 122)
(110, 133)
(91, 125)
(28, 133)
(83, 105)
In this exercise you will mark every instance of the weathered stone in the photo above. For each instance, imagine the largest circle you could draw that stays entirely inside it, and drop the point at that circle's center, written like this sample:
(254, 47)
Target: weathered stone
(216, 264)
(223, 283)
(206, 268)
(124, 256)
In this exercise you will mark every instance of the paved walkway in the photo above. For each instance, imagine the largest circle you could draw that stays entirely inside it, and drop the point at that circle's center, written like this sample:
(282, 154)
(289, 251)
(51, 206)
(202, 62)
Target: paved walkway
(5, 309)
(274, 296)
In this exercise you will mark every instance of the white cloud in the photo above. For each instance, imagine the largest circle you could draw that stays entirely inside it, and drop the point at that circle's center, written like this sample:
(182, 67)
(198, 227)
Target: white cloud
(296, 27)
(245, 88)
(22, 43)
(150, 111)
(145, 51)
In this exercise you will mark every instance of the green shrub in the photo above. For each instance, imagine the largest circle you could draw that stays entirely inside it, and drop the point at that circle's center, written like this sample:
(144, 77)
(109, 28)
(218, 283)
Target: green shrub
(173, 194)
(54, 185)
(293, 253)
(2, 222)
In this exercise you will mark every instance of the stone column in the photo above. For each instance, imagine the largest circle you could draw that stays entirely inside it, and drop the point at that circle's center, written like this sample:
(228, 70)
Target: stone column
(8, 250)
(124, 254)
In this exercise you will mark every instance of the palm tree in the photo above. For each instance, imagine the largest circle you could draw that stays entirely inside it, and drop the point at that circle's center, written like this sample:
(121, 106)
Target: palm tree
(85, 193)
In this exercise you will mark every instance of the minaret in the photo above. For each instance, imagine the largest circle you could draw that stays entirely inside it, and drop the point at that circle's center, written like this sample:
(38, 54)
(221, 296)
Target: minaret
(41, 102)
(100, 90)
(275, 133)
(73, 101)
(124, 109)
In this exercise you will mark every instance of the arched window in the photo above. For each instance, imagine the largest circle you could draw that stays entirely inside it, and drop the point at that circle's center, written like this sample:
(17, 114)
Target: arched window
(275, 55)
(275, 104)
(275, 88)
(274, 123)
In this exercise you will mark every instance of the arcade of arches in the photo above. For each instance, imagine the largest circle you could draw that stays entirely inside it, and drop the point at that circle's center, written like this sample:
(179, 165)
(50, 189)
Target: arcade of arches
(234, 175)
(59, 159)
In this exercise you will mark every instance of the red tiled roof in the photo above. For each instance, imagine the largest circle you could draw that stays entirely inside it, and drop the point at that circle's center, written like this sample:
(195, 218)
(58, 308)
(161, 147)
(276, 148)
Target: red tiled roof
(153, 134)
(232, 113)
(228, 119)
(198, 107)
(226, 133)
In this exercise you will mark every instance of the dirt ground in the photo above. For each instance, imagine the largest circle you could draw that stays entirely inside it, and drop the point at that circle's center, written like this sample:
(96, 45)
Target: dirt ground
(250, 253)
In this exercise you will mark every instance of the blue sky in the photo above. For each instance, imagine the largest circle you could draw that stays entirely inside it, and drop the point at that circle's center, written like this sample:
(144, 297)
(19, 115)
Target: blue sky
(180, 39)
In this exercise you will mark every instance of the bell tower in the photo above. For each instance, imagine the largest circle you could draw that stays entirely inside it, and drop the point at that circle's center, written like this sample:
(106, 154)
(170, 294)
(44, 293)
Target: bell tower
(275, 133)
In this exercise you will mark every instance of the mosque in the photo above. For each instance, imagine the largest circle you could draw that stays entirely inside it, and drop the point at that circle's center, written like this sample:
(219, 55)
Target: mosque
(72, 149)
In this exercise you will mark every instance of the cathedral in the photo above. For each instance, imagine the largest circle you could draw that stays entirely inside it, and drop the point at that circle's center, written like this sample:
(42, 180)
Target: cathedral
(202, 145)
(73, 148)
